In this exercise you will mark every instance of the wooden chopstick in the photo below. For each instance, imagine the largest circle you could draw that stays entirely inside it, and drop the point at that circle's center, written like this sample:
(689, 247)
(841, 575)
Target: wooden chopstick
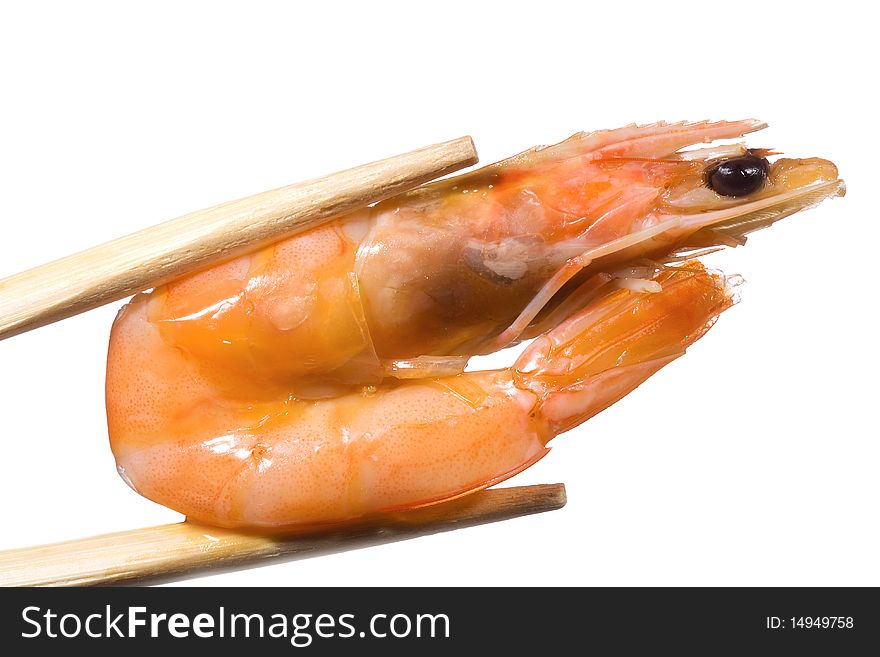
(156, 255)
(182, 549)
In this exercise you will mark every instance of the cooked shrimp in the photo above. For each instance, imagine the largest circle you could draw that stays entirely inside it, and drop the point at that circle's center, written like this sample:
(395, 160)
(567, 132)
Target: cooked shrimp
(187, 442)
(419, 283)
(321, 378)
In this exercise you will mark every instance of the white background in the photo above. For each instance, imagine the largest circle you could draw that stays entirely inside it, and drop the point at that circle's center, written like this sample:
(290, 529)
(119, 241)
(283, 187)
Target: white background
(751, 461)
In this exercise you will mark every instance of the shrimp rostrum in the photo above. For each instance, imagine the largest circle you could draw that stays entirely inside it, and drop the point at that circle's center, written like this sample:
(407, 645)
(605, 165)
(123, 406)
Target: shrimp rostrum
(322, 378)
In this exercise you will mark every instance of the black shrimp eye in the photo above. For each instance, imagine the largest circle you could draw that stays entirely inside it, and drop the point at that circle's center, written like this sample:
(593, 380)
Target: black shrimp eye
(738, 176)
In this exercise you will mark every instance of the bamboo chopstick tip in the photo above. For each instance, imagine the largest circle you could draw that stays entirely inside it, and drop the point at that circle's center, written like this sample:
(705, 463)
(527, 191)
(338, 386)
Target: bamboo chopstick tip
(474, 157)
(559, 496)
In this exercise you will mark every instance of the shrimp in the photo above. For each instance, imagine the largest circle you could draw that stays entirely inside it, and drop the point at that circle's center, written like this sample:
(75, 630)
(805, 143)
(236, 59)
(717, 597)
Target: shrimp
(414, 286)
(322, 378)
(181, 441)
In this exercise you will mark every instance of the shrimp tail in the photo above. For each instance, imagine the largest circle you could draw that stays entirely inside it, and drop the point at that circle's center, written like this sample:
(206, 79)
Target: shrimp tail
(613, 345)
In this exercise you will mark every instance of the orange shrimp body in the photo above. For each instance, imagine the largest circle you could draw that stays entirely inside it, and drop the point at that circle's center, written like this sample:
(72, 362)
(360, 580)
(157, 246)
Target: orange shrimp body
(321, 378)
(182, 442)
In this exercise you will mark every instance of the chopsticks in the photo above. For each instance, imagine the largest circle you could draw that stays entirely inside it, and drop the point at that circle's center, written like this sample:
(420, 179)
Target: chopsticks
(158, 254)
(167, 551)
